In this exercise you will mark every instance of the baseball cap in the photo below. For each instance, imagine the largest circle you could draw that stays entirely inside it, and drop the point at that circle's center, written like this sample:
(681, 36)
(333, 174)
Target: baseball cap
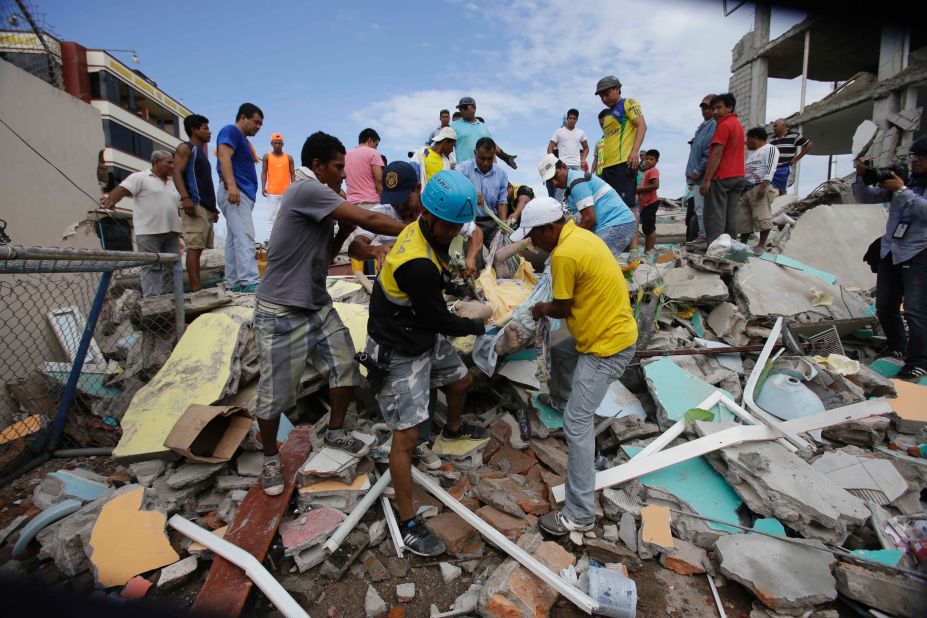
(609, 81)
(276, 136)
(445, 133)
(399, 179)
(919, 146)
(537, 212)
(465, 101)
(547, 167)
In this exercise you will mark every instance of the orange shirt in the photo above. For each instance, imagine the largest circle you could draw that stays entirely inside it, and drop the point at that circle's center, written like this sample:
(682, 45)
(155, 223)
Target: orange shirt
(278, 173)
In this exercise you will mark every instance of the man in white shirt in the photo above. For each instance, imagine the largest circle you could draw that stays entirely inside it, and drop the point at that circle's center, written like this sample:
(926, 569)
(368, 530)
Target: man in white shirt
(156, 218)
(758, 194)
(570, 146)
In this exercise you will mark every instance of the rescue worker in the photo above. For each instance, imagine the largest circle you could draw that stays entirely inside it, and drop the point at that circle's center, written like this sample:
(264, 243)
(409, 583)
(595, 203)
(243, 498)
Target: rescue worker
(407, 329)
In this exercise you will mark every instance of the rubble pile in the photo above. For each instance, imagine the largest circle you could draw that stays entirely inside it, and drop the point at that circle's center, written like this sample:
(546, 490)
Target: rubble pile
(743, 446)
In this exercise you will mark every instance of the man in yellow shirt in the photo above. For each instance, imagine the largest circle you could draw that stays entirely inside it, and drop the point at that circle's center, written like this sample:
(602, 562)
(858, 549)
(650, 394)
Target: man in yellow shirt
(624, 129)
(437, 157)
(590, 292)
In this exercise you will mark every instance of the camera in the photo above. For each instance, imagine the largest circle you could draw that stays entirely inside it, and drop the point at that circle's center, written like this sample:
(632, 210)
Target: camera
(873, 175)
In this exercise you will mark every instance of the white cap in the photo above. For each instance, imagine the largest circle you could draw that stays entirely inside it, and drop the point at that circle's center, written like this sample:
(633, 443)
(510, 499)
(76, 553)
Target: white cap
(547, 167)
(537, 212)
(443, 134)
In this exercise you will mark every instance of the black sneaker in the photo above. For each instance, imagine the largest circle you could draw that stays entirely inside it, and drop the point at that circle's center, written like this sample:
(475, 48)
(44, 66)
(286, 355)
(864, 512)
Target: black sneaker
(911, 373)
(467, 431)
(418, 540)
(556, 523)
(546, 400)
(344, 441)
(272, 478)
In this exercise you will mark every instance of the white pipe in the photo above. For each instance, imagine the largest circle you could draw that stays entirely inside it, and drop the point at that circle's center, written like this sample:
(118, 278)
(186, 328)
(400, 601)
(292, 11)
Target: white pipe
(356, 513)
(393, 526)
(245, 561)
(732, 436)
(714, 593)
(579, 598)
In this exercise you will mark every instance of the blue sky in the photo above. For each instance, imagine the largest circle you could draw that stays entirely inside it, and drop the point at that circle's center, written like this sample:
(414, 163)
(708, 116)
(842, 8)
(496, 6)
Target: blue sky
(341, 67)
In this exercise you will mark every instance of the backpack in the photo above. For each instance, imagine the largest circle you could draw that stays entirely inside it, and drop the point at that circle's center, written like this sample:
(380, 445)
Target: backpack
(586, 178)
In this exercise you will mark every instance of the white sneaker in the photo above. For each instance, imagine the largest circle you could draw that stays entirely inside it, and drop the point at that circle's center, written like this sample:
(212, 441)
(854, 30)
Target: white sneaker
(424, 454)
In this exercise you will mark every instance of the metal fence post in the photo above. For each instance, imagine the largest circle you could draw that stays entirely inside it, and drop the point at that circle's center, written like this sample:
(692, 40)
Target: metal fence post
(79, 359)
(179, 319)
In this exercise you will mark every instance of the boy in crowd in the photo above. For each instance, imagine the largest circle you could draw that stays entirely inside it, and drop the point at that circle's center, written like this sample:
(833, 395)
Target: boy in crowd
(647, 199)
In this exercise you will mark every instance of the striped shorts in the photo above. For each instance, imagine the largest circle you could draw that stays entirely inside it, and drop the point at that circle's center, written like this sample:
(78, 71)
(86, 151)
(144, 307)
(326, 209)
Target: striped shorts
(289, 337)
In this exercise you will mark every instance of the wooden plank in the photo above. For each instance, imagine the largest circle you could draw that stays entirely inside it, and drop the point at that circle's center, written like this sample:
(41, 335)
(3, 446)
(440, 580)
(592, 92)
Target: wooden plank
(227, 587)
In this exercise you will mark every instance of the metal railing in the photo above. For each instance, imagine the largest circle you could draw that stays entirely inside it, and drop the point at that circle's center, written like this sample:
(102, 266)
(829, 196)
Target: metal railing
(77, 339)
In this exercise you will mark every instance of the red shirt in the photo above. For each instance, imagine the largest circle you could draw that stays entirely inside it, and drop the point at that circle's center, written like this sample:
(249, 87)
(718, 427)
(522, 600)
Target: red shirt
(730, 134)
(646, 199)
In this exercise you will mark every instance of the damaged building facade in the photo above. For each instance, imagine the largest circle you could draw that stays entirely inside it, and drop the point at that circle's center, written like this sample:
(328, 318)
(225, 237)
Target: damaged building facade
(879, 73)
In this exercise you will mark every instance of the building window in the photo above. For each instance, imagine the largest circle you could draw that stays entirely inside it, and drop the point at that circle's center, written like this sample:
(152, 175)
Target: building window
(108, 87)
(125, 139)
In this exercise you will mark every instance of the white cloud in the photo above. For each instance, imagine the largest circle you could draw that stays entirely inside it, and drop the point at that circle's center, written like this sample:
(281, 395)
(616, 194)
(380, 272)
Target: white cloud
(668, 56)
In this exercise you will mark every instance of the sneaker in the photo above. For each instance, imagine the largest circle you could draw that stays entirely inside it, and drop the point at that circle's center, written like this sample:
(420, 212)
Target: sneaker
(344, 441)
(556, 523)
(272, 478)
(421, 542)
(912, 373)
(424, 454)
(248, 289)
(467, 431)
(546, 400)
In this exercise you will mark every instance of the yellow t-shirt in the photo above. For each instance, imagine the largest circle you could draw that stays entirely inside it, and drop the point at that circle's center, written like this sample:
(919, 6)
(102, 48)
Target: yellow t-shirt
(600, 156)
(584, 269)
(433, 163)
(620, 133)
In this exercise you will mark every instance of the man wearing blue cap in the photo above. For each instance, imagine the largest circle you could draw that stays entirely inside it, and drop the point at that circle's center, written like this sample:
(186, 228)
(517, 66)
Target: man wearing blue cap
(293, 314)
(406, 336)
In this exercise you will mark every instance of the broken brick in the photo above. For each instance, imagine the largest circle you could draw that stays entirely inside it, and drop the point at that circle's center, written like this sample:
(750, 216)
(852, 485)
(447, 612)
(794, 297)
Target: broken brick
(510, 526)
(453, 531)
(492, 447)
(551, 453)
(507, 495)
(685, 558)
(512, 591)
(460, 489)
(512, 461)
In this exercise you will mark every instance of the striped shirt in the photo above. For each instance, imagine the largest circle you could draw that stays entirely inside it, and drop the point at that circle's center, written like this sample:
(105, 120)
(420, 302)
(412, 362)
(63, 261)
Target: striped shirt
(788, 146)
(761, 164)
(610, 210)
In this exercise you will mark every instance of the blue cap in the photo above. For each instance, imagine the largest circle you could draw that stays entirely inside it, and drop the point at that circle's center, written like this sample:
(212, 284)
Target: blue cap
(399, 180)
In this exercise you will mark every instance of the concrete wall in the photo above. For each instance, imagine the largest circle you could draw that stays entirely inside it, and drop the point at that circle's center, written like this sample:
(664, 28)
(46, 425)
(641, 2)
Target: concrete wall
(39, 204)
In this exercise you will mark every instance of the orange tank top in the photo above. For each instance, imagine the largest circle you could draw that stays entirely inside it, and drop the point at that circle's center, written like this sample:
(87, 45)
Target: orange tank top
(278, 173)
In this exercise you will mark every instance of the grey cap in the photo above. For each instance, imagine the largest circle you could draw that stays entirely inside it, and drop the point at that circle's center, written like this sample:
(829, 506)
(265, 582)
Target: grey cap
(465, 101)
(609, 81)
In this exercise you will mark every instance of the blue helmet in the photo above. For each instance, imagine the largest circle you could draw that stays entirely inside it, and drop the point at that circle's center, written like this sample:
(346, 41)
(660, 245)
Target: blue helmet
(450, 196)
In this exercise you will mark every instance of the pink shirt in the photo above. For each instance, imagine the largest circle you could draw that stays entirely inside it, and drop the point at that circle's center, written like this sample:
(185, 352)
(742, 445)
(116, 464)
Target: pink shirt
(359, 175)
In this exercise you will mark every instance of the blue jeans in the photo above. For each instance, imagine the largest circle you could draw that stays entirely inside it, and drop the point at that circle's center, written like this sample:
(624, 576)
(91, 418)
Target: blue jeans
(618, 237)
(698, 204)
(582, 381)
(905, 282)
(240, 264)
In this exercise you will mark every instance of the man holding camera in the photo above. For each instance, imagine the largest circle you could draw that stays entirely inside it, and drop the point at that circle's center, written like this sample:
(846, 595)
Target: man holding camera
(902, 269)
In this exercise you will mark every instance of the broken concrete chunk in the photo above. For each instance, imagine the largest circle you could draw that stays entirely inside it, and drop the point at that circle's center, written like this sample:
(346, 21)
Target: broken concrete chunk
(866, 432)
(627, 531)
(512, 461)
(81, 485)
(327, 463)
(782, 575)
(685, 558)
(374, 605)
(250, 463)
(511, 527)
(405, 592)
(675, 391)
(228, 482)
(867, 478)
(460, 538)
(774, 482)
(551, 453)
(145, 472)
(375, 569)
(449, 572)
(507, 495)
(377, 532)
(309, 529)
(230, 505)
(728, 323)
(190, 474)
(689, 285)
(173, 575)
(512, 590)
(889, 592)
(340, 561)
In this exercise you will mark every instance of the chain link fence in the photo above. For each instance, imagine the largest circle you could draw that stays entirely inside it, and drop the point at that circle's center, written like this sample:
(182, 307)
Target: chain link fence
(27, 40)
(78, 340)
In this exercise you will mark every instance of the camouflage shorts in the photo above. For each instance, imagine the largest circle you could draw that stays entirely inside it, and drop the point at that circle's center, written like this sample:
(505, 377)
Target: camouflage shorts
(403, 398)
(289, 337)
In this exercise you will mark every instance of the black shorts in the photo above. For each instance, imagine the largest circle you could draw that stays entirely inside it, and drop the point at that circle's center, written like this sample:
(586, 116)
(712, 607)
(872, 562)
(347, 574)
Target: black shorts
(649, 219)
(623, 180)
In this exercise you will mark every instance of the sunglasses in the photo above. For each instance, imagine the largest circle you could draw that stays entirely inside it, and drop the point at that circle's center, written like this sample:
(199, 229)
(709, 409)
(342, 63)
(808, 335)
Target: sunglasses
(701, 105)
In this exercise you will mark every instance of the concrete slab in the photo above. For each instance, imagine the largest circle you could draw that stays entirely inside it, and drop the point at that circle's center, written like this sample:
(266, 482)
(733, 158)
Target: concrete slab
(784, 576)
(127, 541)
(854, 224)
(784, 260)
(699, 485)
(688, 285)
(885, 591)
(328, 462)
(766, 289)
(191, 474)
(870, 479)
(728, 323)
(201, 369)
(676, 391)
(774, 482)
(309, 529)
